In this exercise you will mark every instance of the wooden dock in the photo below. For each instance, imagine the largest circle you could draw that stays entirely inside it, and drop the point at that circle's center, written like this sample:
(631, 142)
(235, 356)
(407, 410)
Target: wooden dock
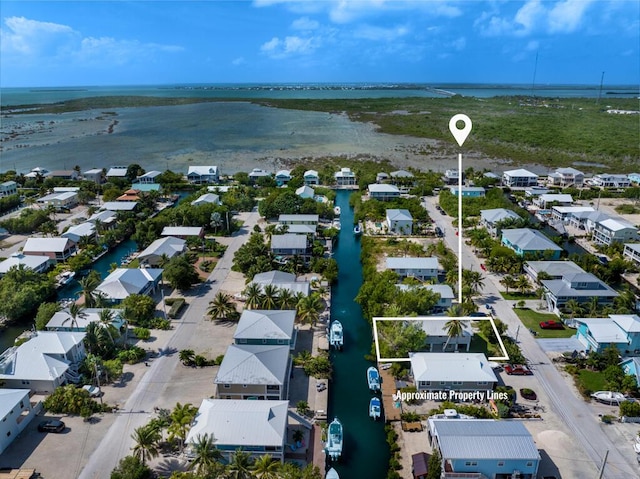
(391, 412)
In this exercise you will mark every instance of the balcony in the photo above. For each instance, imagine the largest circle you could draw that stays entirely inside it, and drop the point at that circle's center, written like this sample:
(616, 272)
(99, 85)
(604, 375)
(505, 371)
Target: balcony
(464, 475)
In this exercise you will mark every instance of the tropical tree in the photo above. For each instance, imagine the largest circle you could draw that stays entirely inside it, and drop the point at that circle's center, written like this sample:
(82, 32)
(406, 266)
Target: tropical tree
(75, 312)
(206, 454)
(522, 284)
(221, 307)
(473, 280)
(308, 309)
(88, 284)
(131, 467)
(266, 467)
(146, 443)
(573, 308)
(187, 356)
(593, 306)
(454, 327)
(253, 295)
(180, 273)
(181, 418)
(105, 318)
(286, 299)
(269, 297)
(508, 282)
(240, 465)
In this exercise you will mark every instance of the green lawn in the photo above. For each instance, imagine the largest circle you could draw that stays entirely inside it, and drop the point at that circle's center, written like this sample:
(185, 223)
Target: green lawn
(531, 320)
(515, 296)
(479, 344)
(592, 380)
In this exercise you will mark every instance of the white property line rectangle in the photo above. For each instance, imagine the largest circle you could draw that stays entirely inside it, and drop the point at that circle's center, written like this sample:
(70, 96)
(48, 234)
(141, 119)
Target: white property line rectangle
(504, 357)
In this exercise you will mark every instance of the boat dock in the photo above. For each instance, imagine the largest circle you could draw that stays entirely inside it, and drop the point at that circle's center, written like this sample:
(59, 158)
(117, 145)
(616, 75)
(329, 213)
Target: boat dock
(391, 412)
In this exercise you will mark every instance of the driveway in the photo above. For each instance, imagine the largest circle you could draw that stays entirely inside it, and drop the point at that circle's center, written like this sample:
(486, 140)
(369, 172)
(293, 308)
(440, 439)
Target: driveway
(572, 410)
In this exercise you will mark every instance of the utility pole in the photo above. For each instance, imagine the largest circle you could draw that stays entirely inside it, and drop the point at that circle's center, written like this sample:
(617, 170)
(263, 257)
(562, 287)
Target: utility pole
(600, 92)
(604, 462)
(95, 367)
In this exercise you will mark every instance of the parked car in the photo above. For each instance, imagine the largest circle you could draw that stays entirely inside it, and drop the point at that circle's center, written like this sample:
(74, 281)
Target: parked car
(551, 325)
(483, 267)
(439, 231)
(94, 391)
(517, 370)
(51, 425)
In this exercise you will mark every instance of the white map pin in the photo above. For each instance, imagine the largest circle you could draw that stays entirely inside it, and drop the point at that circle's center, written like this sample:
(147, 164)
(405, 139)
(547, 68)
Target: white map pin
(460, 134)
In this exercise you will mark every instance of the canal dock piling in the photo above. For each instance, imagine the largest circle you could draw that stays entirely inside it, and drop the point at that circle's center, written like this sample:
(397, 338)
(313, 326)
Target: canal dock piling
(391, 412)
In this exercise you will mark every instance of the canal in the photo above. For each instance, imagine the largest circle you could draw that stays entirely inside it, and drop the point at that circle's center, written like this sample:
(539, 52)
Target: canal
(365, 451)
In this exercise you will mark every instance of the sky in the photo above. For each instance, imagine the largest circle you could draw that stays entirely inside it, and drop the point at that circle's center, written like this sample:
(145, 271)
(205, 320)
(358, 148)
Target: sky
(83, 43)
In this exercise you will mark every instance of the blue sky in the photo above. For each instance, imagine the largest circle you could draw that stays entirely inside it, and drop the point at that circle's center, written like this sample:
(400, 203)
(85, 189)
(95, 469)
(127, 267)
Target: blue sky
(54, 43)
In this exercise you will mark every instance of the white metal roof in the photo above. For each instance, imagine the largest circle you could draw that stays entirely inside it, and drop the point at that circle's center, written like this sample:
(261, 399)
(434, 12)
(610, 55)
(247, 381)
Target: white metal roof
(117, 171)
(399, 215)
(410, 262)
(17, 259)
(295, 217)
(266, 324)
(168, 245)
(254, 364)
(10, 398)
(604, 330)
(559, 197)
(62, 319)
(46, 245)
(498, 214)
(289, 241)
(382, 188)
(181, 231)
(207, 198)
(241, 423)
(203, 170)
(529, 240)
(617, 224)
(123, 282)
(521, 172)
(120, 205)
(465, 367)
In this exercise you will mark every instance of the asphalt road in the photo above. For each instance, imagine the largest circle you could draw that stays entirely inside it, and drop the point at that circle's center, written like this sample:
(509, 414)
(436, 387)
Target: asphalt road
(117, 442)
(571, 409)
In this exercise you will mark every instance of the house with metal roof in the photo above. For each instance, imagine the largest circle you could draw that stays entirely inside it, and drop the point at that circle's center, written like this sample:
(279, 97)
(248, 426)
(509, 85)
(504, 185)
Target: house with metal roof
(519, 178)
(550, 269)
(123, 282)
(296, 219)
(547, 200)
(207, 198)
(632, 252)
(484, 448)
(56, 249)
(117, 172)
(421, 268)
(566, 177)
(16, 412)
(452, 176)
(257, 427)
(105, 218)
(95, 174)
(383, 192)
(526, 241)
(345, 177)
(290, 244)
(258, 173)
(67, 199)
(631, 366)
(282, 280)
(490, 219)
(619, 330)
(283, 177)
(183, 231)
(305, 192)
(452, 372)
(254, 371)
(148, 177)
(399, 221)
(444, 292)
(199, 175)
(438, 338)
(606, 180)
(39, 264)
(270, 327)
(81, 232)
(614, 230)
(567, 214)
(166, 247)
(47, 360)
(299, 229)
(468, 191)
(120, 205)
(64, 321)
(311, 177)
(8, 188)
(581, 287)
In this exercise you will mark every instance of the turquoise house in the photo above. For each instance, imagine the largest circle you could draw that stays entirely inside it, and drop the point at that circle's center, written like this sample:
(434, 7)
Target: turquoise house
(635, 177)
(631, 367)
(619, 330)
(530, 243)
(469, 191)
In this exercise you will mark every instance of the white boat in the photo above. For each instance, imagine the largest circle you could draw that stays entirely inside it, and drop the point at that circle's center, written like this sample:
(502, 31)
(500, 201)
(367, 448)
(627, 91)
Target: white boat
(373, 378)
(375, 409)
(336, 211)
(609, 397)
(357, 229)
(332, 474)
(65, 277)
(336, 224)
(333, 448)
(336, 335)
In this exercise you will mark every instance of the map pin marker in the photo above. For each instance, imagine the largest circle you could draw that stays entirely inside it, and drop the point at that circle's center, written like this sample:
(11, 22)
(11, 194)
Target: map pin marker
(460, 134)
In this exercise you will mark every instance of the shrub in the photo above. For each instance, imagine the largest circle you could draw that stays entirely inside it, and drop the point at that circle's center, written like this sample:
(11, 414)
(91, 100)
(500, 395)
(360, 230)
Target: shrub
(160, 323)
(630, 409)
(410, 416)
(142, 333)
(72, 400)
(176, 306)
(132, 355)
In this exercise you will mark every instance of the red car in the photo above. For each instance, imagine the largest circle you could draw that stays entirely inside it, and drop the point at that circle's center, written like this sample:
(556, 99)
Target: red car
(551, 325)
(517, 370)
(483, 267)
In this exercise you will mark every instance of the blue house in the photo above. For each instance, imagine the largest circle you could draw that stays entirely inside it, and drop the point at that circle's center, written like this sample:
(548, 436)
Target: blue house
(528, 242)
(484, 448)
(619, 330)
(635, 177)
(469, 191)
(631, 367)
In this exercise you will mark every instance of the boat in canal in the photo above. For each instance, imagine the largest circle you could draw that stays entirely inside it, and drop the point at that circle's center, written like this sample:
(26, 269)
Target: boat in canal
(65, 278)
(373, 378)
(333, 448)
(337, 211)
(332, 474)
(357, 229)
(336, 224)
(336, 335)
(375, 409)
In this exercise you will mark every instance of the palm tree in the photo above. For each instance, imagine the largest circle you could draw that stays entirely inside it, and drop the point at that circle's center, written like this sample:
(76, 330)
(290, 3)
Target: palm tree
(593, 306)
(253, 293)
(508, 282)
(473, 279)
(309, 309)
(221, 307)
(206, 454)
(146, 443)
(88, 284)
(105, 318)
(181, 418)
(454, 327)
(75, 312)
(286, 299)
(270, 297)
(187, 356)
(522, 283)
(573, 307)
(266, 467)
(240, 465)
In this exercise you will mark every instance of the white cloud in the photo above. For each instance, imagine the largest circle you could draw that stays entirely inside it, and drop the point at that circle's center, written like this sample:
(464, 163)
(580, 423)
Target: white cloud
(32, 37)
(459, 44)
(529, 17)
(304, 23)
(238, 61)
(369, 32)
(289, 46)
(567, 16)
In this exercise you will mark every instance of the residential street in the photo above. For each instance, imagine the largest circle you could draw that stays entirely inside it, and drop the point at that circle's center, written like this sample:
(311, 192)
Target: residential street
(574, 412)
(117, 443)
